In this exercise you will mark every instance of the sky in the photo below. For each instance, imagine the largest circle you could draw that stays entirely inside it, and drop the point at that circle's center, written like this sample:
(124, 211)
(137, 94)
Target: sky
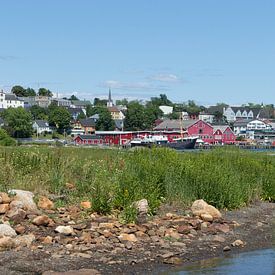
(204, 50)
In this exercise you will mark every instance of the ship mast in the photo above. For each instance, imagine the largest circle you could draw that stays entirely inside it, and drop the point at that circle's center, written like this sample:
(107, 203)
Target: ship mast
(181, 126)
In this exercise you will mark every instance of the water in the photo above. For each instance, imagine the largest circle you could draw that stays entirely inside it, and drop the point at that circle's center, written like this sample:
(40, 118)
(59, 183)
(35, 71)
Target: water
(260, 262)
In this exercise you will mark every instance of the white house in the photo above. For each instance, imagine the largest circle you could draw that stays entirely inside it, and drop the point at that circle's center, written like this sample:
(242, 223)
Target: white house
(166, 109)
(10, 100)
(41, 126)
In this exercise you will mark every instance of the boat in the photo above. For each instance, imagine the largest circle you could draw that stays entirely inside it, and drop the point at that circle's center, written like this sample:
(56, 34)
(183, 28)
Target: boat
(162, 141)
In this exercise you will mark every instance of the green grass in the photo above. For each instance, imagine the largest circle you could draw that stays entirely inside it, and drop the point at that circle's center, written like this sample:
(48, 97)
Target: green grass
(114, 179)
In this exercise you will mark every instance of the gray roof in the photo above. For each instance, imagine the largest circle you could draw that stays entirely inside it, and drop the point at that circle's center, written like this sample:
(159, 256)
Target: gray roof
(242, 122)
(174, 124)
(85, 137)
(42, 123)
(87, 122)
(81, 102)
(119, 123)
(95, 116)
(12, 97)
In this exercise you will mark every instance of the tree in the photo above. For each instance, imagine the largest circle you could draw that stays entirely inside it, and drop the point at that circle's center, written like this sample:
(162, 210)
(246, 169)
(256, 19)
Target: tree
(161, 100)
(122, 102)
(60, 118)
(100, 102)
(5, 139)
(105, 121)
(18, 90)
(30, 92)
(38, 112)
(44, 92)
(73, 97)
(135, 118)
(18, 122)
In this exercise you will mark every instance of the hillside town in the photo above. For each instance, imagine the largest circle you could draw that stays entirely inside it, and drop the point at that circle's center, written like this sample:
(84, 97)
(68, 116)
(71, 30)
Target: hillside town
(103, 122)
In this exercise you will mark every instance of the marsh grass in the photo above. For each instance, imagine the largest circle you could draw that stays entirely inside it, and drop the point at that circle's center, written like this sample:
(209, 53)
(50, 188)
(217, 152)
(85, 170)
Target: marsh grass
(113, 179)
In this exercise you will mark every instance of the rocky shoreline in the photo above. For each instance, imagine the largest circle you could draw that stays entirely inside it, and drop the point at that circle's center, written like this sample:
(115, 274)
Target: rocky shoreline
(39, 238)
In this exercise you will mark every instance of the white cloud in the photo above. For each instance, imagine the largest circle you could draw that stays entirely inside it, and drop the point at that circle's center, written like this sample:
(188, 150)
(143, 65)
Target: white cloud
(165, 78)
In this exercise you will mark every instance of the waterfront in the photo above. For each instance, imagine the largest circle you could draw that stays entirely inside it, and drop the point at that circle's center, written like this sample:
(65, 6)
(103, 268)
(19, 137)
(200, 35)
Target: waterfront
(253, 263)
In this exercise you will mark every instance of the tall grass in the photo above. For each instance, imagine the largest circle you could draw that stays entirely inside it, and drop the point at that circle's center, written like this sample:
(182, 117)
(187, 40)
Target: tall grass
(114, 179)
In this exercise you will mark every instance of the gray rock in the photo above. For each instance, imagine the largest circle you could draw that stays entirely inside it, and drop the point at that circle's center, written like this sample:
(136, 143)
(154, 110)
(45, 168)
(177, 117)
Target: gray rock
(66, 230)
(7, 231)
(26, 198)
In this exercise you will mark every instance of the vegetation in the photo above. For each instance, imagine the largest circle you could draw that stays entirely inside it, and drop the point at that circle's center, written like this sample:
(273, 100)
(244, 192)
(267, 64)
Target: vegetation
(114, 179)
(5, 139)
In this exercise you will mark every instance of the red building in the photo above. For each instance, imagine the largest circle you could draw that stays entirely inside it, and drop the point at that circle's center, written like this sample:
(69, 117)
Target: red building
(88, 140)
(201, 129)
(223, 134)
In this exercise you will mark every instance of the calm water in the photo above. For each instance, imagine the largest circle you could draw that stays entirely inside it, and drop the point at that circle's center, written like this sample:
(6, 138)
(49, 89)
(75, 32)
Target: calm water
(260, 262)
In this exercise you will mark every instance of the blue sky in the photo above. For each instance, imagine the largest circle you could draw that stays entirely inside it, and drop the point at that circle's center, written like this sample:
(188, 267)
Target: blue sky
(206, 50)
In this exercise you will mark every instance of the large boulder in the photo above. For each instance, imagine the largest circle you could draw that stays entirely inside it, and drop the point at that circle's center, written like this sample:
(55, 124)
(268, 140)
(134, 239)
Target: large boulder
(26, 198)
(201, 208)
(7, 231)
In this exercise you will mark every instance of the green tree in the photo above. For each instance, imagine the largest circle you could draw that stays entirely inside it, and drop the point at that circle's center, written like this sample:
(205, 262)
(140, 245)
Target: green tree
(44, 92)
(30, 92)
(100, 102)
(18, 90)
(38, 112)
(135, 118)
(105, 121)
(122, 102)
(5, 139)
(18, 122)
(73, 97)
(60, 118)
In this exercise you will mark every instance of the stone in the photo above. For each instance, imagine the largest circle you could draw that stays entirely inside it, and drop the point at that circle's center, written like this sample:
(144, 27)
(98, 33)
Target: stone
(204, 225)
(238, 243)
(86, 204)
(48, 240)
(45, 203)
(4, 208)
(6, 243)
(26, 197)
(16, 205)
(142, 206)
(25, 240)
(224, 228)
(7, 231)
(219, 239)
(20, 229)
(184, 229)
(127, 237)
(207, 217)
(200, 207)
(4, 198)
(42, 220)
(226, 248)
(173, 260)
(73, 272)
(66, 230)
(17, 215)
(128, 245)
(167, 255)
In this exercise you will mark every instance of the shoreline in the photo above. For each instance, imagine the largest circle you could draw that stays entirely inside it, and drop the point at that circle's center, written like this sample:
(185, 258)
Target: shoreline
(253, 225)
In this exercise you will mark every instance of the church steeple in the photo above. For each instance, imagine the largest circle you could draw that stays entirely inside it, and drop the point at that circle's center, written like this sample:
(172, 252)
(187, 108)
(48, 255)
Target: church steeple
(110, 101)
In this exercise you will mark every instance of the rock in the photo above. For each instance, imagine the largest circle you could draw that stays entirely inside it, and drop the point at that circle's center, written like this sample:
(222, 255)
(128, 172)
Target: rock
(142, 206)
(16, 215)
(226, 248)
(42, 220)
(86, 204)
(184, 229)
(48, 240)
(26, 198)
(66, 230)
(4, 198)
(20, 229)
(224, 228)
(207, 217)
(171, 233)
(204, 225)
(7, 231)
(127, 237)
(219, 239)
(6, 243)
(73, 272)
(128, 245)
(238, 243)
(173, 260)
(167, 255)
(25, 240)
(4, 208)
(200, 207)
(45, 203)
